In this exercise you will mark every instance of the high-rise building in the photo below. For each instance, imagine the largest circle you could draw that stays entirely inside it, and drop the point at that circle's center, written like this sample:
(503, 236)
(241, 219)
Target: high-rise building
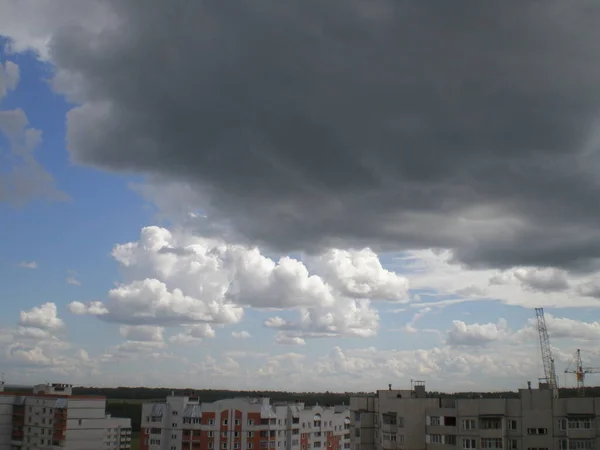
(185, 423)
(412, 420)
(51, 418)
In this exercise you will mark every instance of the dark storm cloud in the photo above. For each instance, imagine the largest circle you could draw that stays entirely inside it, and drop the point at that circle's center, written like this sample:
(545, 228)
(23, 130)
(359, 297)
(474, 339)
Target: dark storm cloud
(396, 124)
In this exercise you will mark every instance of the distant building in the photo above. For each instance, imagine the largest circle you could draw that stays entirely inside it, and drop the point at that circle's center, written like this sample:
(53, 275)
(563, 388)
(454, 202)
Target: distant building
(408, 419)
(184, 423)
(52, 418)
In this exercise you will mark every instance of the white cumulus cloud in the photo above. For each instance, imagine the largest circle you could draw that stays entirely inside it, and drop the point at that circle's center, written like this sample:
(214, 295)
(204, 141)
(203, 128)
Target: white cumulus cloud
(176, 278)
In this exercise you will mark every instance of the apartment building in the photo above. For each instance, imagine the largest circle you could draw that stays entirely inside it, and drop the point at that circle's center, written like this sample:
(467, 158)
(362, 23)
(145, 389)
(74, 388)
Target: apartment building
(51, 418)
(185, 423)
(409, 419)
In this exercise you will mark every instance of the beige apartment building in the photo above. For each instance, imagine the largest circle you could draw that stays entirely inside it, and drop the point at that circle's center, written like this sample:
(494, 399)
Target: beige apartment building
(50, 417)
(409, 419)
(186, 423)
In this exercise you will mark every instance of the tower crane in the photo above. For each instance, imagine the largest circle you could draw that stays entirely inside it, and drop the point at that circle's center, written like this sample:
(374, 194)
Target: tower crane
(580, 370)
(549, 371)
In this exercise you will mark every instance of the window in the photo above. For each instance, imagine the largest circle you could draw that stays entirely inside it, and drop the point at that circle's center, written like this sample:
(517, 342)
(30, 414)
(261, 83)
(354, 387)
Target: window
(250, 421)
(236, 434)
(537, 448)
(211, 421)
(577, 424)
(174, 413)
(581, 444)
(513, 444)
(450, 439)
(224, 434)
(80, 421)
(237, 421)
(250, 434)
(492, 443)
(224, 445)
(357, 432)
(469, 424)
(435, 438)
(400, 439)
(469, 444)
(225, 422)
(236, 445)
(434, 420)
(490, 424)
(211, 445)
(538, 431)
(173, 436)
(512, 424)
(211, 434)
(174, 425)
(249, 444)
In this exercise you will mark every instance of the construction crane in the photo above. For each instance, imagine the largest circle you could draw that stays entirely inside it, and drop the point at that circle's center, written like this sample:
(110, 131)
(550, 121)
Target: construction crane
(547, 359)
(580, 372)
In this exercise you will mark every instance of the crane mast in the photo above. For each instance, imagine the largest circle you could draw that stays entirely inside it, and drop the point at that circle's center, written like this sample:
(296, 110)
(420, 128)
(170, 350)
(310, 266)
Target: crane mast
(549, 371)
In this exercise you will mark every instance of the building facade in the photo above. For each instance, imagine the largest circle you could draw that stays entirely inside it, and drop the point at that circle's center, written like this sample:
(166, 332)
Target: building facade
(52, 418)
(185, 423)
(405, 419)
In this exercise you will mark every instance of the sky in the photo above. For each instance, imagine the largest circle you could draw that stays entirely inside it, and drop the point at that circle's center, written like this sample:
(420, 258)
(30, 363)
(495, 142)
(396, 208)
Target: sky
(298, 196)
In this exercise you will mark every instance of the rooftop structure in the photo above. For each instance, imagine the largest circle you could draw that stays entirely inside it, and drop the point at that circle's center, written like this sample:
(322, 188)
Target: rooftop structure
(184, 422)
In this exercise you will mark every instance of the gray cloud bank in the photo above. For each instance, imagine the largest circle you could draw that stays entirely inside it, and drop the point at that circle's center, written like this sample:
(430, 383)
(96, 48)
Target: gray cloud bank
(466, 125)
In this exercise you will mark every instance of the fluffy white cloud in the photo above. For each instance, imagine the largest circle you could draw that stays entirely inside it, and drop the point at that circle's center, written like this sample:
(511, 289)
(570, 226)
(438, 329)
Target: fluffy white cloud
(286, 339)
(9, 77)
(95, 308)
(463, 334)
(22, 178)
(37, 347)
(142, 333)
(73, 278)
(28, 265)
(529, 287)
(176, 278)
(43, 317)
(359, 273)
(194, 334)
(562, 327)
(241, 334)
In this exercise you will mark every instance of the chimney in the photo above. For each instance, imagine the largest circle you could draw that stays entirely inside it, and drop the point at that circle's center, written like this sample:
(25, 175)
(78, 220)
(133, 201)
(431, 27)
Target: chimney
(390, 386)
(529, 385)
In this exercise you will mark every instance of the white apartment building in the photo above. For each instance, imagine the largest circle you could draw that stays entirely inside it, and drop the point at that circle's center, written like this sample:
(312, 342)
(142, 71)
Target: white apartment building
(184, 423)
(52, 418)
(408, 419)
